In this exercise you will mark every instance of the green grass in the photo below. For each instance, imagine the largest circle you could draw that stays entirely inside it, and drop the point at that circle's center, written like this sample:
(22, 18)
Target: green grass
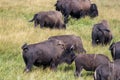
(15, 30)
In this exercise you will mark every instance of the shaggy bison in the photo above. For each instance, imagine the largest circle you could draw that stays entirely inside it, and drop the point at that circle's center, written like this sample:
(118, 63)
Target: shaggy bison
(76, 8)
(110, 71)
(71, 40)
(115, 50)
(89, 62)
(101, 33)
(52, 19)
(47, 53)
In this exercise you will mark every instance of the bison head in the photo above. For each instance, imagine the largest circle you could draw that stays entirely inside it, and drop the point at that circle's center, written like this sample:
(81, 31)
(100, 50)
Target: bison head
(93, 12)
(68, 55)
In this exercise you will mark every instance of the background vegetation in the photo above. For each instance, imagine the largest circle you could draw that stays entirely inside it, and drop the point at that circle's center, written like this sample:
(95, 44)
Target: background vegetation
(15, 30)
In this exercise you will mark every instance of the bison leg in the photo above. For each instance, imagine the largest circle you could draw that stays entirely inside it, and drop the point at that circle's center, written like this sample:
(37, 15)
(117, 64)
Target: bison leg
(41, 24)
(95, 39)
(29, 64)
(78, 71)
(66, 19)
(35, 23)
(53, 65)
(82, 14)
(66, 15)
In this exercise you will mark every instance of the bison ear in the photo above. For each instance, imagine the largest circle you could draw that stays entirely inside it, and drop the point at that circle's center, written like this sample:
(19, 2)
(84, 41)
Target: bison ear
(112, 46)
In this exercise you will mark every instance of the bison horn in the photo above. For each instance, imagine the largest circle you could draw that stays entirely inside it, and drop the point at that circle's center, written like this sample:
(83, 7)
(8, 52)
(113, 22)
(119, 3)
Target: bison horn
(72, 47)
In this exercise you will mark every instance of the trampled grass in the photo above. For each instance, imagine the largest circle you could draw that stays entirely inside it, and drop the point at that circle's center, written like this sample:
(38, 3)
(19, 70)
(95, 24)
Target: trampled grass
(15, 30)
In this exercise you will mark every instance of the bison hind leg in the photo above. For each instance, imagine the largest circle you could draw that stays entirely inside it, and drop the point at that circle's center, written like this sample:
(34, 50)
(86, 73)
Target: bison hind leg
(29, 65)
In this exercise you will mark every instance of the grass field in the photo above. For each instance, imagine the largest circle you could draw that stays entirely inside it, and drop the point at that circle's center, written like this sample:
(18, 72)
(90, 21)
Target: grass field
(15, 30)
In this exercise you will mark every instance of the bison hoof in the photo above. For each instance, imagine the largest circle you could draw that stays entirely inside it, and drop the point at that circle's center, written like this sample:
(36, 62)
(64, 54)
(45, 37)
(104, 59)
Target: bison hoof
(26, 70)
(76, 74)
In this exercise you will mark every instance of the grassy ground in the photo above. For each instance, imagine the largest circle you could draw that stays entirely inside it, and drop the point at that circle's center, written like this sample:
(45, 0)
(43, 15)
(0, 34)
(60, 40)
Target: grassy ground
(15, 30)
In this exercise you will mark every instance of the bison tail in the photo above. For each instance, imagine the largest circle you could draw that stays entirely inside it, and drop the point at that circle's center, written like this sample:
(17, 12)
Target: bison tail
(33, 18)
(25, 46)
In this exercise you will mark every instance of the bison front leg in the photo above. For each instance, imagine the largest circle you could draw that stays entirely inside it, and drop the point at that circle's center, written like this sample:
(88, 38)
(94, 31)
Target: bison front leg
(42, 24)
(53, 65)
(66, 15)
(82, 14)
(95, 40)
(78, 71)
(66, 19)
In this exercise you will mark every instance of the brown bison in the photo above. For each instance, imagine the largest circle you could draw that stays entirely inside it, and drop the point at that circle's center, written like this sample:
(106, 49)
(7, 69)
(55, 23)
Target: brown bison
(89, 62)
(110, 71)
(47, 53)
(115, 50)
(76, 8)
(52, 19)
(101, 33)
(71, 40)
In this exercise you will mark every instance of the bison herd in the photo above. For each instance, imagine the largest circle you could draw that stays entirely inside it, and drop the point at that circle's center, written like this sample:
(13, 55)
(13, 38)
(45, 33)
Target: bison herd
(69, 48)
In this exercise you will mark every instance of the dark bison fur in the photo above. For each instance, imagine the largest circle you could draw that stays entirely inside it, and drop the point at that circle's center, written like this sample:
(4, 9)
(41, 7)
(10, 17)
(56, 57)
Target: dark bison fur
(115, 50)
(47, 53)
(71, 40)
(89, 62)
(101, 33)
(110, 71)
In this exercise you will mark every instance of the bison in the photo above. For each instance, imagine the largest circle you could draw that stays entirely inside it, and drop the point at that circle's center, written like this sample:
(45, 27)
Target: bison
(76, 8)
(71, 40)
(110, 71)
(47, 53)
(115, 50)
(89, 62)
(52, 19)
(101, 33)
